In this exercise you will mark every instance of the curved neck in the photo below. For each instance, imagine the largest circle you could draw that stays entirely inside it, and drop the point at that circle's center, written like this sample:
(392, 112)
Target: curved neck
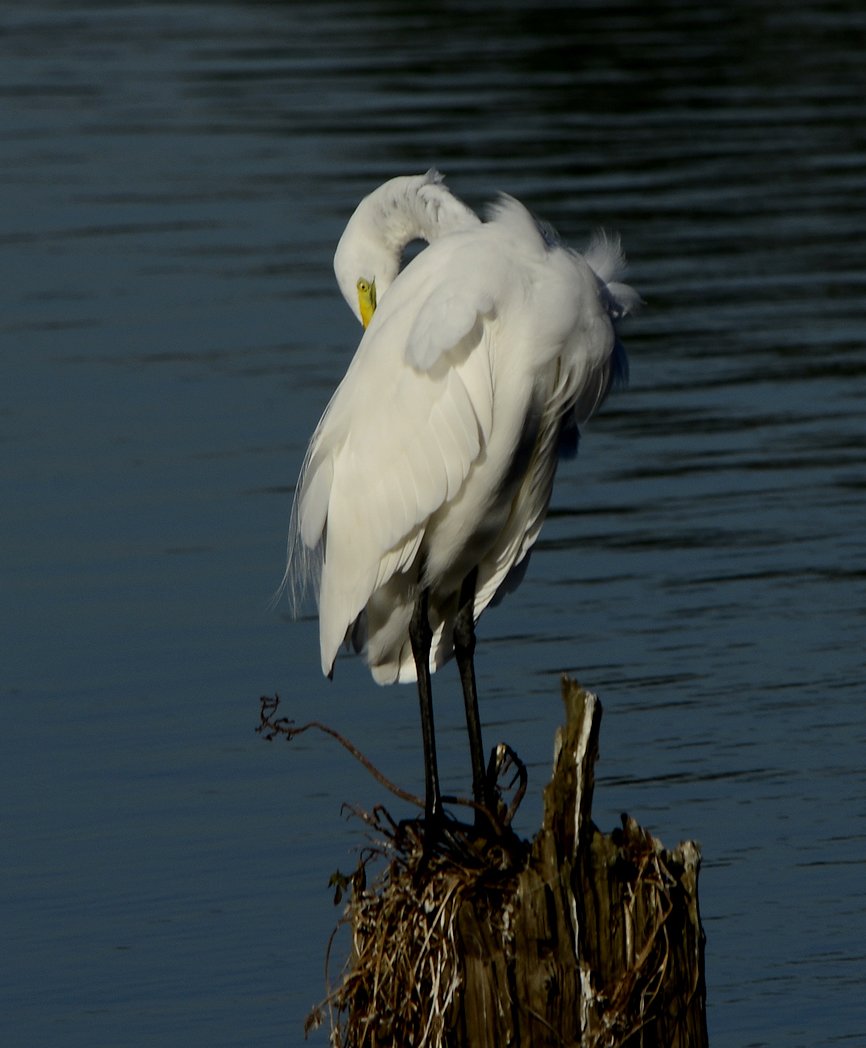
(402, 210)
(418, 208)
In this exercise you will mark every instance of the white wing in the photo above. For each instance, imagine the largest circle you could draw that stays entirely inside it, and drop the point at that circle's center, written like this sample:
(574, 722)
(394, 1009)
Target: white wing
(396, 442)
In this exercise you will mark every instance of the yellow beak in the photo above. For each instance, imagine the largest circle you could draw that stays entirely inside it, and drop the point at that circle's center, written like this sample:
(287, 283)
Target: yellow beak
(366, 300)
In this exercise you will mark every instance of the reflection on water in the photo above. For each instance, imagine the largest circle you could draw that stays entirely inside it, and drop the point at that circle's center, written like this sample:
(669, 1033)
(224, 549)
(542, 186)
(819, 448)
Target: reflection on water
(175, 178)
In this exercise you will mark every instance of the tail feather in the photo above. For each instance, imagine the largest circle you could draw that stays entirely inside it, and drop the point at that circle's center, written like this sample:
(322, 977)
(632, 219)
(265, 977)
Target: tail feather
(607, 260)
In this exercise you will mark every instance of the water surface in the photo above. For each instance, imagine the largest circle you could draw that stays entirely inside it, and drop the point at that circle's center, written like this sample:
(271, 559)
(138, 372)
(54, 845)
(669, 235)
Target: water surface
(174, 180)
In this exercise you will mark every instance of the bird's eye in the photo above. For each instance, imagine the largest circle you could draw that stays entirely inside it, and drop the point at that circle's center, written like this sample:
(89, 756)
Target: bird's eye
(363, 286)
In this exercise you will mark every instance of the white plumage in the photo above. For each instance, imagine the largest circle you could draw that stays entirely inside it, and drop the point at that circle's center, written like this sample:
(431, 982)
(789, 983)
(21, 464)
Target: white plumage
(437, 452)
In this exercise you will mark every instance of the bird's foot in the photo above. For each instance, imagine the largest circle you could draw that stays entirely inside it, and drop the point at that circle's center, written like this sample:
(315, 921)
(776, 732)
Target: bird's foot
(500, 802)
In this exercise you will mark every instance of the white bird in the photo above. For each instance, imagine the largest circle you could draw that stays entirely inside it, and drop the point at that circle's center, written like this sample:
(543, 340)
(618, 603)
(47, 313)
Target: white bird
(428, 478)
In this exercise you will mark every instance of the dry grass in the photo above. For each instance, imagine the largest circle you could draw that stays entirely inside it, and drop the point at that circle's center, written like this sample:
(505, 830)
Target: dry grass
(404, 974)
(648, 877)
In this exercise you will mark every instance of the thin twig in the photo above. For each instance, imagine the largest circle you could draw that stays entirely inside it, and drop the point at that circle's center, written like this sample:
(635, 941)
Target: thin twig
(284, 726)
(270, 726)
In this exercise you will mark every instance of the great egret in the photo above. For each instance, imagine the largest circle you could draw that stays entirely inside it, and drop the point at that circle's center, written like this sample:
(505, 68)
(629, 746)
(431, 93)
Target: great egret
(428, 478)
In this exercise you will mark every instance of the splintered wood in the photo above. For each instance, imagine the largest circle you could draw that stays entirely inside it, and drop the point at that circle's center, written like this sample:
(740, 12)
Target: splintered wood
(577, 938)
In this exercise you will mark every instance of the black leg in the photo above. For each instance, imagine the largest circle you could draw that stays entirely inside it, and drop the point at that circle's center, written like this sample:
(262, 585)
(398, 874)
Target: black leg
(420, 637)
(464, 651)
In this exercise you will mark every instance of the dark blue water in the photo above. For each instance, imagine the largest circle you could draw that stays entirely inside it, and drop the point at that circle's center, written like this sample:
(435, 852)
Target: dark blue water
(174, 179)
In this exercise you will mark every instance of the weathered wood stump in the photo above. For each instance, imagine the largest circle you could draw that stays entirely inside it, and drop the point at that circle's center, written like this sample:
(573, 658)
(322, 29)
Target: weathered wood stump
(578, 938)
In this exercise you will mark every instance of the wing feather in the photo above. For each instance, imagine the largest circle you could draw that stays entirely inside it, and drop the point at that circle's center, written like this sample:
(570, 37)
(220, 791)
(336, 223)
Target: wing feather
(396, 444)
(444, 321)
(313, 505)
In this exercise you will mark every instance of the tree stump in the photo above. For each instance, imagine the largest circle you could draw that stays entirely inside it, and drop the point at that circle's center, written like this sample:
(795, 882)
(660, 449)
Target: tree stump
(577, 938)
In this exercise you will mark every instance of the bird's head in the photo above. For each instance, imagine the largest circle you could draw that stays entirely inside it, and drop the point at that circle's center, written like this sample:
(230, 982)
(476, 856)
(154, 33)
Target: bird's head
(365, 266)
(406, 208)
